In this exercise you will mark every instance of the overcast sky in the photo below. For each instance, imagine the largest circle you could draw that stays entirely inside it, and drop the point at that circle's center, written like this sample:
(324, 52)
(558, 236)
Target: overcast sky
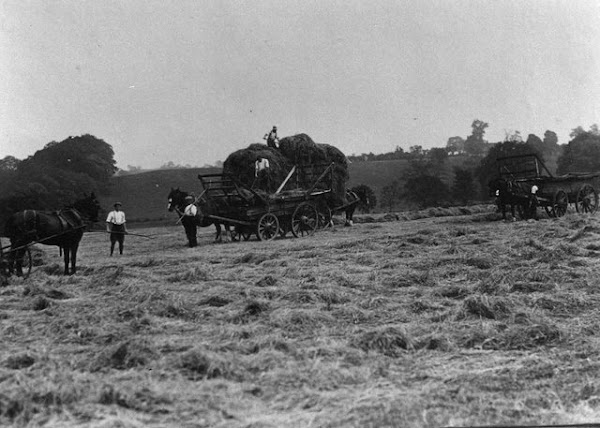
(192, 81)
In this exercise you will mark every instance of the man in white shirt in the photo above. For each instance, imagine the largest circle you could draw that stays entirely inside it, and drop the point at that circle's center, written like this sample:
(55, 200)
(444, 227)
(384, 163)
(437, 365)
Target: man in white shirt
(189, 221)
(533, 201)
(262, 176)
(115, 225)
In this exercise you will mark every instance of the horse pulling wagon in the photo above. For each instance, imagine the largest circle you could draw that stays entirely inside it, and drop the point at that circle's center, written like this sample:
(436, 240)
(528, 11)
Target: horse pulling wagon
(299, 211)
(555, 194)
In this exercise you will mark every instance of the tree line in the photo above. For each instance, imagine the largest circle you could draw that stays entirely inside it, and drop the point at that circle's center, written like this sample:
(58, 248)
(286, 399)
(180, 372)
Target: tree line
(429, 181)
(56, 175)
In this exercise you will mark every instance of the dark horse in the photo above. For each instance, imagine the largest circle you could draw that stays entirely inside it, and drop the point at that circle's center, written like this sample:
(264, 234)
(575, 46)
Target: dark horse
(352, 202)
(63, 228)
(176, 202)
(506, 194)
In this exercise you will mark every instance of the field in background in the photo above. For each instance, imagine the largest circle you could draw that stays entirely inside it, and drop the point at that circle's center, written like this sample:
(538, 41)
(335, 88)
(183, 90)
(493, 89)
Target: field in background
(461, 320)
(144, 195)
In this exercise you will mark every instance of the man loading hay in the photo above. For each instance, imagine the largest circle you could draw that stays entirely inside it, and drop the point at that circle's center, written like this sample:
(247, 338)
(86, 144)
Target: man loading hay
(261, 173)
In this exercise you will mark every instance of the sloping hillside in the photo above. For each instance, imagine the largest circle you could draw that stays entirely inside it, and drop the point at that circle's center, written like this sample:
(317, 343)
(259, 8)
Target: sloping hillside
(144, 195)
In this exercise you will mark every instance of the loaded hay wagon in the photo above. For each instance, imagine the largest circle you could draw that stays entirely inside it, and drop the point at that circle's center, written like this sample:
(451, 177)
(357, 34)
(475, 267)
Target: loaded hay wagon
(253, 211)
(554, 193)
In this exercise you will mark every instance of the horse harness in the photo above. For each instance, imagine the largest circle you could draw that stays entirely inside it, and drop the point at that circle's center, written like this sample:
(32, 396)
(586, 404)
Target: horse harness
(68, 219)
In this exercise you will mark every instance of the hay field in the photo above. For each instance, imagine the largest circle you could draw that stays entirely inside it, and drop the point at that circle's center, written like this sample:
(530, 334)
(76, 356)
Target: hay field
(447, 321)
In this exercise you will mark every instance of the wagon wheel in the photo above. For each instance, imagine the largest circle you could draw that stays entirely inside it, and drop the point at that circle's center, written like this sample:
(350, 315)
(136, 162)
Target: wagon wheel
(324, 217)
(560, 203)
(587, 199)
(267, 227)
(304, 220)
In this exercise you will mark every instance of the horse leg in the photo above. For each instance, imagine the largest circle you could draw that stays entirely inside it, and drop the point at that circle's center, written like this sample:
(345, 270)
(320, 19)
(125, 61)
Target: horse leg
(227, 232)
(66, 254)
(218, 235)
(74, 258)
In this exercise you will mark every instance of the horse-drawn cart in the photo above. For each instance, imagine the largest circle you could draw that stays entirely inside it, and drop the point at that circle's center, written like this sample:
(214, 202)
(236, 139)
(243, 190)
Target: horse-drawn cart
(553, 193)
(250, 211)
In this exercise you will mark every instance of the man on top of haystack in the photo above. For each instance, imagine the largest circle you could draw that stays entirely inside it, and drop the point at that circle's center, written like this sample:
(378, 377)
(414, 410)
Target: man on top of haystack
(272, 138)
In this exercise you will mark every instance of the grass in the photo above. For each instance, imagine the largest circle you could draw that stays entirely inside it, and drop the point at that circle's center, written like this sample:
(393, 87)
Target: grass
(428, 322)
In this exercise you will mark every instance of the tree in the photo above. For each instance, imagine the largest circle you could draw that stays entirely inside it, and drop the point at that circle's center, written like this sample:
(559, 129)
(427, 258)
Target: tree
(390, 195)
(455, 145)
(368, 200)
(426, 190)
(475, 144)
(438, 156)
(58, 174)
(575, 132)
(9, 164)
(463, 188)
(81, 155)
(550, 142)
(582, 154)
(416, 150)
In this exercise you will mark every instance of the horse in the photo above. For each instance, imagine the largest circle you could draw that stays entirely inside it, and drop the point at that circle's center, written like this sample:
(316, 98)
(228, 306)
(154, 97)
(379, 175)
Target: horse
(348, 205)
(176, 202)
(506, 194)
(63, 228)
(352, 202)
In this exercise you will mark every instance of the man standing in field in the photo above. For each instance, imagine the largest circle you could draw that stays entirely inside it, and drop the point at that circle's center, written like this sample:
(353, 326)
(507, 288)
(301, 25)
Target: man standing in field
(189, 221)
(115, 225)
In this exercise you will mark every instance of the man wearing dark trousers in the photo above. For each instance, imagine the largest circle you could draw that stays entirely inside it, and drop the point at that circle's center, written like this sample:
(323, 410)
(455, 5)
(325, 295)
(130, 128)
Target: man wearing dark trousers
(189, 221)
(115, 225)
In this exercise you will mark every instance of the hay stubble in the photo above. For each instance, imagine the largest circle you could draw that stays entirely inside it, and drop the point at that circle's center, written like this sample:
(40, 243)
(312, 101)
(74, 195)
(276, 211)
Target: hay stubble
(429, 322)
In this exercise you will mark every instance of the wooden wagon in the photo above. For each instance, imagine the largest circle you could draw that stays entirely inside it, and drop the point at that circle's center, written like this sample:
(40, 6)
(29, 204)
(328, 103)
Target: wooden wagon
(554, 193)
(250, 211)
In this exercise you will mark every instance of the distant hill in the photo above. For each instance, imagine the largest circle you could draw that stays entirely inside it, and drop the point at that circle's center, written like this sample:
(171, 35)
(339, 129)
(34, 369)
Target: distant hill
(144, 195)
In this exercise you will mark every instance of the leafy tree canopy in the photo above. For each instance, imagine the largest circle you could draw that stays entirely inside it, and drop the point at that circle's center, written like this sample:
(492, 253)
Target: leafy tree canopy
(463, 187)
(426, 191)
(582, 154)
(81, 155)
(56, 175)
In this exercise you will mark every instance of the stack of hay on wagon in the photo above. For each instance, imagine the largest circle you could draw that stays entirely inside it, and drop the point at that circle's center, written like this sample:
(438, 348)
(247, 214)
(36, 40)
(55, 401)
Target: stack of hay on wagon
(298, 150)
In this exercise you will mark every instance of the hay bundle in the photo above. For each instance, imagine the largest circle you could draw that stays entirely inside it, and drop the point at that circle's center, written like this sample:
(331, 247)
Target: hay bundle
(298, 150)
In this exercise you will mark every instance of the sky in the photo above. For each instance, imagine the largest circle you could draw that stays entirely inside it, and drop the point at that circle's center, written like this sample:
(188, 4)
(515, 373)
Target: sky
(190, 82)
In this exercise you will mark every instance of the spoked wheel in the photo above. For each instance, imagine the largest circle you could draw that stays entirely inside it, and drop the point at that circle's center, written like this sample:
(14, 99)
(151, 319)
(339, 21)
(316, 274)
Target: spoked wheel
(587, 199)
(304, 220)
(267, 227)
(560, 203)
(324, 217)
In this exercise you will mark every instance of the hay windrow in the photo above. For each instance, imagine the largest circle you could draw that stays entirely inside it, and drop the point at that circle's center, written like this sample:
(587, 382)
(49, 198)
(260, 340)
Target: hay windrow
(124, 355)
(390, 341)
